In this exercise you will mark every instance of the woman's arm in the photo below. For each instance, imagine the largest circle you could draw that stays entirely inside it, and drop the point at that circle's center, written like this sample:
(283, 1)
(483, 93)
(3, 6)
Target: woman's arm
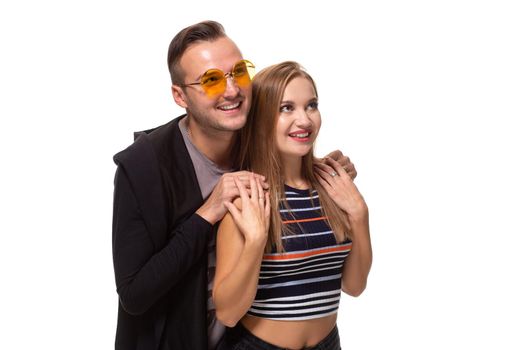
(241, 240)
(345, 194)
(357, 265)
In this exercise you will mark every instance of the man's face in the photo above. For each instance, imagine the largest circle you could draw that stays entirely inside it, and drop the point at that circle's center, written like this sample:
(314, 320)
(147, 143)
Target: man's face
(223, 112)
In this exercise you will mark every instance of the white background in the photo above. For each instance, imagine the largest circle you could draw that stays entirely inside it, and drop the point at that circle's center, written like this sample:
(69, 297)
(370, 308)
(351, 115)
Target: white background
(426, 97)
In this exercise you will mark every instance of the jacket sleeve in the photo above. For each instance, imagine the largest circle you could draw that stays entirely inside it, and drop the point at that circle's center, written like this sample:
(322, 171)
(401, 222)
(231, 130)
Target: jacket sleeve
(142, 274)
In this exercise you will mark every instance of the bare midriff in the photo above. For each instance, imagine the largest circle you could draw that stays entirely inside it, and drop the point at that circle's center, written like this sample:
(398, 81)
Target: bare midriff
(290, 334)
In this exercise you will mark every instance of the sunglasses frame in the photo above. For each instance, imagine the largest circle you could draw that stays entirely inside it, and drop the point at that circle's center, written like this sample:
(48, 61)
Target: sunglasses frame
(231, 74)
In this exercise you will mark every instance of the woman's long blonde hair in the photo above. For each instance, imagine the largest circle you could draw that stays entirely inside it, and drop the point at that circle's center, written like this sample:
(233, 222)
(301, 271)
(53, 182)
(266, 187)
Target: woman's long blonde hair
(259, 153)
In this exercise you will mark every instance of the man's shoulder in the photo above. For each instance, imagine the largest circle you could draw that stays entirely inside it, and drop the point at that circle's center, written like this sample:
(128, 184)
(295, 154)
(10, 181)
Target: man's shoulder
(148, 143)
(162, 131)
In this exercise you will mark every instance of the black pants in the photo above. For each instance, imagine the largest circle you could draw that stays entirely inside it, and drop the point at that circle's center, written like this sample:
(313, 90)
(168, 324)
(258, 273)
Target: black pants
(239, 338)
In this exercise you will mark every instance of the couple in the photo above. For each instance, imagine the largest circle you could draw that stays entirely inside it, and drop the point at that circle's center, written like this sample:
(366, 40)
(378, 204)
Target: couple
(288, 223)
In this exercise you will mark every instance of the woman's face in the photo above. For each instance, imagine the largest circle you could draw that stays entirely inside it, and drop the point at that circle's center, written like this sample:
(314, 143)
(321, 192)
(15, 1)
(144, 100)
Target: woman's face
(299, 119)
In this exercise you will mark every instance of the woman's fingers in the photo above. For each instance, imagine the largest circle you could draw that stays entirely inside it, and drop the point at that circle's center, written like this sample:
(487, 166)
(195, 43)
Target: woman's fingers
(267, 205)
(336, 166)
(326, 172)
(325, 168)
(326, 185)
(242, 190)
(254, 195)
(261, 196)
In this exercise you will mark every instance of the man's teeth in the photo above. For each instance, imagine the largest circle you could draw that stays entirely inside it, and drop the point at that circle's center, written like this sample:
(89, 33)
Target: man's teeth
(230, 107)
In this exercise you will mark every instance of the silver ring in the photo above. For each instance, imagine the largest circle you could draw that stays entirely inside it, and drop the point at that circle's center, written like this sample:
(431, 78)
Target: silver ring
(333, 174)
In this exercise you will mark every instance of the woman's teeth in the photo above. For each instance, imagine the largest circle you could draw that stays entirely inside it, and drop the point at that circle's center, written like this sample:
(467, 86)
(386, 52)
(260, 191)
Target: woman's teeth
(301, 136)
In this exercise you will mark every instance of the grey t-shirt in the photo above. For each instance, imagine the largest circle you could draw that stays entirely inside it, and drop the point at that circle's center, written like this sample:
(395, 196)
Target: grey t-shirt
(208, 174)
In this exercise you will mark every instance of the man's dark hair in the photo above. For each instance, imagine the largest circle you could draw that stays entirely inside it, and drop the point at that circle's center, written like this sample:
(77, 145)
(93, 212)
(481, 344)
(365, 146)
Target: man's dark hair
(203, 31)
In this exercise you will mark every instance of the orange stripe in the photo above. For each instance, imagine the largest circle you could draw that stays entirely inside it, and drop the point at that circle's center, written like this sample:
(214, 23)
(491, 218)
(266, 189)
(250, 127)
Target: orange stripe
(306, 254)
(305, 220)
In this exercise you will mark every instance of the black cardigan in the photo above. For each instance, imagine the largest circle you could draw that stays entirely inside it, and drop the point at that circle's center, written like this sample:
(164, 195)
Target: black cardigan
(159, 245)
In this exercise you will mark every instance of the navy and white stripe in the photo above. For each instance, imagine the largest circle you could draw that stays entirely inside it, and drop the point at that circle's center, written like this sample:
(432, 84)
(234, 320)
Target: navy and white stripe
(304, 282)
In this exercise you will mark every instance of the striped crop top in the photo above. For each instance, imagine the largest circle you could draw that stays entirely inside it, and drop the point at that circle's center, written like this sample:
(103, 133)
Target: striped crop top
(303, 282)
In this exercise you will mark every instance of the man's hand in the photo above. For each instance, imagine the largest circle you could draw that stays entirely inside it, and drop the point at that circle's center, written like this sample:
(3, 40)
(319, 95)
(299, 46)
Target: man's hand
(343, 160)
(226, 190)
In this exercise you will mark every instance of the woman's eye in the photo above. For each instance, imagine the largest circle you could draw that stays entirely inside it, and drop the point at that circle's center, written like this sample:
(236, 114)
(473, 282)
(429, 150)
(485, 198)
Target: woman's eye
(313, 105)
(286, 108)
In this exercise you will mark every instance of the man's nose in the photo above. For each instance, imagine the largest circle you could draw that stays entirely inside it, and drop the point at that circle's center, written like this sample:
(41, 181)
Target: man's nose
(232, 89)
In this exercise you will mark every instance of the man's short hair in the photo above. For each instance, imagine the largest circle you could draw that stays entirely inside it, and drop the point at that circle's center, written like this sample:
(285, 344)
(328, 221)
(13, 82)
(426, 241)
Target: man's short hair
(203, 31)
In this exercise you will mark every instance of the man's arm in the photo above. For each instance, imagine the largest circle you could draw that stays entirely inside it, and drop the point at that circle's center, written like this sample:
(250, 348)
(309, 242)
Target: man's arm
(142, 274)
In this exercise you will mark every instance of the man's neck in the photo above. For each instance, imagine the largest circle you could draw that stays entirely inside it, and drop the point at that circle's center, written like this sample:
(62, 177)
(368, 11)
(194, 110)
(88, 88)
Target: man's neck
(216, 145)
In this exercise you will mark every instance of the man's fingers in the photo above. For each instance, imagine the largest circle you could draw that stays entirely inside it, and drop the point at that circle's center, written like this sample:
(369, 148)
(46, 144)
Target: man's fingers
(335, 154)
(244, 176)
(348, 166)
(235, 213)
(351, 171)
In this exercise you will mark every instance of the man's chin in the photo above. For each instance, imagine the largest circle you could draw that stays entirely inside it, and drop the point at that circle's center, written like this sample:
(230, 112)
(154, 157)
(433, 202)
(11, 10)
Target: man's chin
(234, 123)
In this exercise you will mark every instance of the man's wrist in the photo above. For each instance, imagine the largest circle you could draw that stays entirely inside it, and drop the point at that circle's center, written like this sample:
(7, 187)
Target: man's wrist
(209, 214)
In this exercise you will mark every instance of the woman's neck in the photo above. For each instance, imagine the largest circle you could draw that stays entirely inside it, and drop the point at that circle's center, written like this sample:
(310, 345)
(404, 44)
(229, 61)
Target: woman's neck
(293, 173)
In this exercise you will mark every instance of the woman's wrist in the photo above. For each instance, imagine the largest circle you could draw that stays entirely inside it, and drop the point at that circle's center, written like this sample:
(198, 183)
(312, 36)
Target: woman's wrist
(255, 243)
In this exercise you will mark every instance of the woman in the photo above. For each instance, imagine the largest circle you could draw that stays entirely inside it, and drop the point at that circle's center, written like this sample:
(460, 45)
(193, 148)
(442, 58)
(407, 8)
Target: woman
(283, 256)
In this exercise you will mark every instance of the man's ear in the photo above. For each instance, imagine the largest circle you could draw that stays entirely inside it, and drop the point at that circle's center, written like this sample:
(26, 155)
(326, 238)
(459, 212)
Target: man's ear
(179, 96)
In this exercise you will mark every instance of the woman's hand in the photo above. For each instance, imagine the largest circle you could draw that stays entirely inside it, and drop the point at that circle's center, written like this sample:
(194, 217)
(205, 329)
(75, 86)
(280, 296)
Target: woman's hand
(241, 239)
(343, 160)
(341, 188)
(253, 218)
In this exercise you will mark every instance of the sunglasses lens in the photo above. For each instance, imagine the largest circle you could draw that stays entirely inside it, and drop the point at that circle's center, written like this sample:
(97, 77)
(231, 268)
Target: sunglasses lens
(213, 82)
(243, 73)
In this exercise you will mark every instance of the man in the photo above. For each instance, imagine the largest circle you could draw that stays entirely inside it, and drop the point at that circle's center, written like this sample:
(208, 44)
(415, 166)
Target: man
(170, 187)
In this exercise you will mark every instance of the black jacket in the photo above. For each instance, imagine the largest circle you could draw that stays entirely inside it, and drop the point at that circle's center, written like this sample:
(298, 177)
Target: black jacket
(159, 245)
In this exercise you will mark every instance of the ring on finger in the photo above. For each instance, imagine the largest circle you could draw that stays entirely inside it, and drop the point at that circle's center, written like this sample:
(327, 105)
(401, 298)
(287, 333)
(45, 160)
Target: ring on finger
(333, 174)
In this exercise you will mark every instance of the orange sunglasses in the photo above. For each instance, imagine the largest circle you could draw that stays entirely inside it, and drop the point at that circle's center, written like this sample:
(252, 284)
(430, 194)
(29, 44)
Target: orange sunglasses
(213, 81)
